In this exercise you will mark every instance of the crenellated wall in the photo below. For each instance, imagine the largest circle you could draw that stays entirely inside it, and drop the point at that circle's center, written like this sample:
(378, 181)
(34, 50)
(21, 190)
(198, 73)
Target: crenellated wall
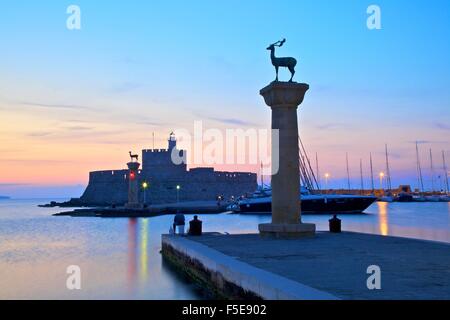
(199, 185)
(111, 186)
(159, 162)
(106, 188)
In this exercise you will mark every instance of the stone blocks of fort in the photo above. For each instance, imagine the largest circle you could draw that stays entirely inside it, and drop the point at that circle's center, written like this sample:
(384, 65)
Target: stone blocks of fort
(158, 170)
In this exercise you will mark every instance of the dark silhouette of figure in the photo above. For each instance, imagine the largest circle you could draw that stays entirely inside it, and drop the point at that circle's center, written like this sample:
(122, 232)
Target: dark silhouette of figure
(195, 227)
(286, 62)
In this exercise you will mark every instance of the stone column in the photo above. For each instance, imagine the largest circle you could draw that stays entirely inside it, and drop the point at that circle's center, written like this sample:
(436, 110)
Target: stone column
(284, 99)
(133, 186)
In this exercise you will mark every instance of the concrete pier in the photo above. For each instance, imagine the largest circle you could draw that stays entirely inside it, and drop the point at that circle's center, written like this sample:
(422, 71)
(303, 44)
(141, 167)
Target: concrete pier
(284, 98)
(187, 207)
(229, 278)
(327, 266)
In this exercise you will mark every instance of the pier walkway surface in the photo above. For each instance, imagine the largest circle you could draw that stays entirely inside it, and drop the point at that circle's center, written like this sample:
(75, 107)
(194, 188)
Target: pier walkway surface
(337, 263)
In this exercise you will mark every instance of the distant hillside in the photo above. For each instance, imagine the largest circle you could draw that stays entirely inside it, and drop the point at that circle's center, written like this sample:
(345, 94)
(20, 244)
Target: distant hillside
(4, 197)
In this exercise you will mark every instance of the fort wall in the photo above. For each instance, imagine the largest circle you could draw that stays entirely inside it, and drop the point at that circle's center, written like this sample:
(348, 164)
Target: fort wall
(111, 187)
(106, 188)
(163, 176)
(199, 186)
(159, 161)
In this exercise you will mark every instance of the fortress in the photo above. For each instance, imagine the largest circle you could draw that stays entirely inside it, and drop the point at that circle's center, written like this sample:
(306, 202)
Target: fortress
(163, 176)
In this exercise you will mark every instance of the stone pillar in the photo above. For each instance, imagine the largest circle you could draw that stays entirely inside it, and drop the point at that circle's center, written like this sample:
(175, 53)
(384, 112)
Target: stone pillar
(284, 99)
(133, 186)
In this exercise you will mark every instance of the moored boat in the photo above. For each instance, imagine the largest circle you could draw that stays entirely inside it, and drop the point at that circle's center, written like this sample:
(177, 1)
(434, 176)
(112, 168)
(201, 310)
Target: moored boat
(386, 199)
(419, 198)
(404, 197)
(261, 202)
(432, 198)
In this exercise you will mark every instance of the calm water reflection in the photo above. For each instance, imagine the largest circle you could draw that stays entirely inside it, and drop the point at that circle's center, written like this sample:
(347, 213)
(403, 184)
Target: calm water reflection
(119, 258)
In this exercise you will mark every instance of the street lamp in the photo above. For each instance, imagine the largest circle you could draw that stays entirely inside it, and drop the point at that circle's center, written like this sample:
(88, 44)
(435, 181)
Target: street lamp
(178, 193)
(381, 181)
(327, 175)
(145, 186)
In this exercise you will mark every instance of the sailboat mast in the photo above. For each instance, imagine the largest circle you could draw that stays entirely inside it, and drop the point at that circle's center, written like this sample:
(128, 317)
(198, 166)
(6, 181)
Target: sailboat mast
(388, 171)
(348, 172)
(261, 175)
(419, 169)
(371, 173)
(361, 172)
(432, 171)
(445, 171)
(307, 174)
(317, 170)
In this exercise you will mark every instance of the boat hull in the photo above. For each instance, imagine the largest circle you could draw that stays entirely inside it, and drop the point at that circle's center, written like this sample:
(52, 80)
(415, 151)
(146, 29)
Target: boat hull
(323, 205)
(405, 198)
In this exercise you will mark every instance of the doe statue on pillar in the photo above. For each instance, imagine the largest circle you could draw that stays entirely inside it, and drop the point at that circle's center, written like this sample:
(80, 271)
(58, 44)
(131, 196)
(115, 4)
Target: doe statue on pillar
(133, 182)
(284, 98)
(287, 62)
(133, 156)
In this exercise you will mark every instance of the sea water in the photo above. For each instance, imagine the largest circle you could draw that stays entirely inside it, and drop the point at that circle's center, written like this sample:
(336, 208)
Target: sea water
(120, 258)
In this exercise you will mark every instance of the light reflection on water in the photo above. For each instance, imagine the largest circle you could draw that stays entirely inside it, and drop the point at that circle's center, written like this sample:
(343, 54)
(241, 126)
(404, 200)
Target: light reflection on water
(383, 214)
(132, 248)
(120, 258)
(144, 258)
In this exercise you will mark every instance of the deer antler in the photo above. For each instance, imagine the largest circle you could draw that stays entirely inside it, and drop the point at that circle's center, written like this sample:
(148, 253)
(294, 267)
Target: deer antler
(279, 43)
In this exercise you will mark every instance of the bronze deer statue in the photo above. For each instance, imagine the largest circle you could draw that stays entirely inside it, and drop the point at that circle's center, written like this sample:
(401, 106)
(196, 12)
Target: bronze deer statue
(286, 62)
(134, 156)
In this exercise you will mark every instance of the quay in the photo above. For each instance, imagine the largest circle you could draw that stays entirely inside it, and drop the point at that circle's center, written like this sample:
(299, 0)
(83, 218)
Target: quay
(188, 207)
(322, 267)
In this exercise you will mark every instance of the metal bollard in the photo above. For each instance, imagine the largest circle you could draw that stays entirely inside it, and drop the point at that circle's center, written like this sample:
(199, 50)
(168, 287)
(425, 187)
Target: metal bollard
(335, 224)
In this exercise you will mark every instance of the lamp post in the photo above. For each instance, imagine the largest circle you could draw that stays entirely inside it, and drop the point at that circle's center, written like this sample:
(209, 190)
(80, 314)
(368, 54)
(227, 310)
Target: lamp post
(178, 193)
(327, 175)
(381, 181)
(145, 186)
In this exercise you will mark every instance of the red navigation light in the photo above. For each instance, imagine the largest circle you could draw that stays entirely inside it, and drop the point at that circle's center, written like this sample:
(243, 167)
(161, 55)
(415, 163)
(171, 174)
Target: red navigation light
(132, 175)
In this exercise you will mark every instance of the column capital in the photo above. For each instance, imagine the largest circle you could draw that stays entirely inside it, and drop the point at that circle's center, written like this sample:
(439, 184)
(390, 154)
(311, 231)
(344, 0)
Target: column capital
(133, 166)
(284, 94)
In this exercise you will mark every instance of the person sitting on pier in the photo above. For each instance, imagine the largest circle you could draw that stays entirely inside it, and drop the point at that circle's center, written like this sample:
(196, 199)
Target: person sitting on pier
(179, 223)
(195, 227)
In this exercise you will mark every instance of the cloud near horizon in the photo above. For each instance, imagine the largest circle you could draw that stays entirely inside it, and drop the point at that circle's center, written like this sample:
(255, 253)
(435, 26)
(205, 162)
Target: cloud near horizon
(442, 126)
(331, 126)
(56, 106)
(232, 121)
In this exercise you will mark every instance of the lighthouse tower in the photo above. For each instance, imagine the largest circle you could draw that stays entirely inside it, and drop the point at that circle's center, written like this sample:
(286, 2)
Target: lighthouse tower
(172, 141)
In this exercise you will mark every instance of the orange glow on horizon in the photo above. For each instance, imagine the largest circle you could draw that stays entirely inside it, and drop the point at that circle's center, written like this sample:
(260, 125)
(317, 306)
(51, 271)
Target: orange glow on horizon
(36, 148)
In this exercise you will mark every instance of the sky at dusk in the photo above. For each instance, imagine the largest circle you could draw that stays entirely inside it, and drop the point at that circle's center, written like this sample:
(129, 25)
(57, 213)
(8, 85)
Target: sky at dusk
(74, 101)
